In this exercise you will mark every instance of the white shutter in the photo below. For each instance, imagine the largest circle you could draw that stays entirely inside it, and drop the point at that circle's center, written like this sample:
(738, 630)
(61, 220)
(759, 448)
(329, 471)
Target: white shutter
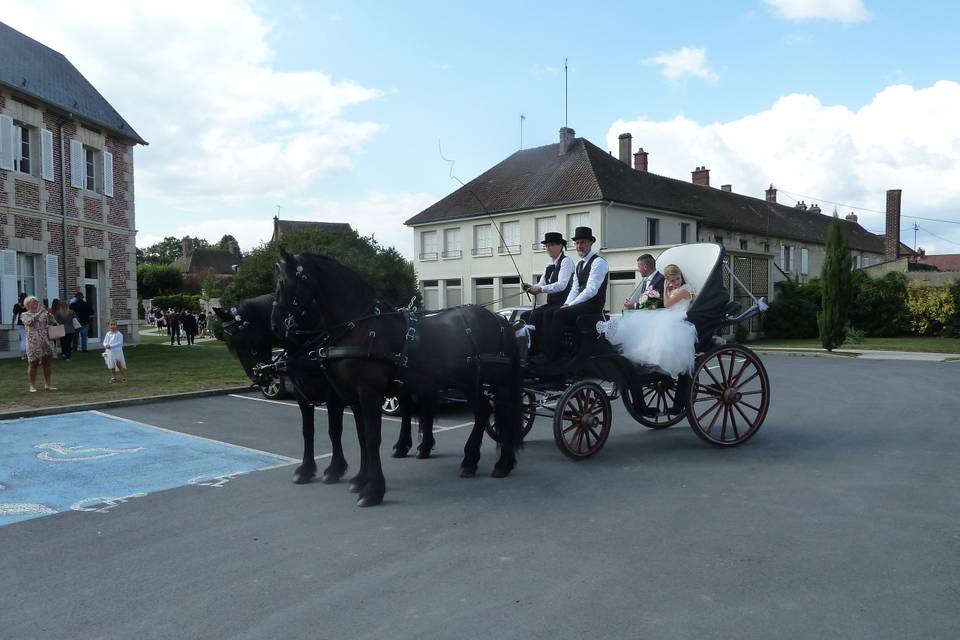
(107, 174)
(17, 146)
(51, 266)
(8, 284)
(783, 265)
(46, 154)
(77, 167)
(6, 143)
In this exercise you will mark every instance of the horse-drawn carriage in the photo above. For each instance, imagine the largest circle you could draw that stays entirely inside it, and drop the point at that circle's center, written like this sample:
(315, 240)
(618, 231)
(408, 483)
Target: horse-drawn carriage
(725, 398)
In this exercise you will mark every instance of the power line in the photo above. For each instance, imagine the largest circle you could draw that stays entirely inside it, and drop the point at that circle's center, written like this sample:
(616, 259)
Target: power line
(853, 206)
(936, 236)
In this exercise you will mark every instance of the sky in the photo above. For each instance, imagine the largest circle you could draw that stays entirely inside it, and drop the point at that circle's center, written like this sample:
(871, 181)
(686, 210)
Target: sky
(338, 111)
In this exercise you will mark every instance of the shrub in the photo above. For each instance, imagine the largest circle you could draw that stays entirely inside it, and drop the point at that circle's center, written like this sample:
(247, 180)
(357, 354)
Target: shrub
(833, 318)
(930, 309)
(157, 279)
(879, 306)
(790, 317)
(178, 301)
(952, 327)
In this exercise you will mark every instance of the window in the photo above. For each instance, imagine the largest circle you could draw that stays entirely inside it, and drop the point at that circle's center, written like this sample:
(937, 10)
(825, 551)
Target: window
(786, 258)
(511, 237)
(575, 220)
(451, 243)
(483, 291)
(454, 292)
(856, 261)
(482, 240)
(804, 261)
(90, 168)
(653, 232)
(543, 226)
(621, 285)
(90, 178)
(718, 239)
(23, 151)
(766, 247)
(428, 245)
(684, 232)
(743, 245)
(511, 295)
(27, 274)
(431, 295)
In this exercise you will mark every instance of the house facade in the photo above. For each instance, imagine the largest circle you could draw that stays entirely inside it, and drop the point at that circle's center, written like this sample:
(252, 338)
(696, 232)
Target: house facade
(67, 220)
(476, 244)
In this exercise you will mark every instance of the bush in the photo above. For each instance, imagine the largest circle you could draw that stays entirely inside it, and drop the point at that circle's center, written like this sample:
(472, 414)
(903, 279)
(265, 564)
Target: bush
(178, 301)
(930, 309)
(952, 327)
(790, 317)
(157, 279)
(879, 306)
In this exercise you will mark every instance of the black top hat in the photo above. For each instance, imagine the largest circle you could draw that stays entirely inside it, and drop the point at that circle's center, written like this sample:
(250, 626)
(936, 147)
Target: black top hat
(553, 237)
(584, 233)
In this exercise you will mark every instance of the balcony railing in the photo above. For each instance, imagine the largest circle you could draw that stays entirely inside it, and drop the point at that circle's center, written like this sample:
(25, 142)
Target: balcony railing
(427, 257)
(452, 254)
(482, 251)
(512, 249)
(538, 247)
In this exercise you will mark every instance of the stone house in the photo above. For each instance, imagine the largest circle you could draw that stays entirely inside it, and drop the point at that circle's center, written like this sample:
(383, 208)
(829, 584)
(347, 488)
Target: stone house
(197, 265)
(281, 227)
(67, 220)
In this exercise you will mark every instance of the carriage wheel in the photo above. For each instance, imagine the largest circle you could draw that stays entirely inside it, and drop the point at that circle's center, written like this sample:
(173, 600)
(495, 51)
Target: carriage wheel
(657, 395)
(581, 422)
(729, 395)
(529, 414)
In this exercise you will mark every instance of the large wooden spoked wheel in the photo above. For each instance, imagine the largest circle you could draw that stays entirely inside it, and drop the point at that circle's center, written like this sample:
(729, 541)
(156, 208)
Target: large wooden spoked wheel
(581, 422)
(729, 395)
(529, 409)
(658, 395)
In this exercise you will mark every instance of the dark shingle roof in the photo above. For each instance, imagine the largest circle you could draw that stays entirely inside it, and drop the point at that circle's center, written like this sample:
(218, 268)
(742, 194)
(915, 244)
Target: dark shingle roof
(203, 260)
(541, 177)
(38, 71)
(286, 226)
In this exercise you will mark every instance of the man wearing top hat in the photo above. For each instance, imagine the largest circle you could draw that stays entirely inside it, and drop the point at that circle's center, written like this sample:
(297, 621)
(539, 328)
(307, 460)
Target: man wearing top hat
(556, 280)
(588, 293)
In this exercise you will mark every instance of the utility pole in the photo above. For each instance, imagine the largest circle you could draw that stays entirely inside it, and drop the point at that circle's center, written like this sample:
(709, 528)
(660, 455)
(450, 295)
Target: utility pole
(916, 228)
(522, 118)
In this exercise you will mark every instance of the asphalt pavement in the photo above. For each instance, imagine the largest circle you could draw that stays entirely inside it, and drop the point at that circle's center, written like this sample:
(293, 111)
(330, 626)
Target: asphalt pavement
(839, 519)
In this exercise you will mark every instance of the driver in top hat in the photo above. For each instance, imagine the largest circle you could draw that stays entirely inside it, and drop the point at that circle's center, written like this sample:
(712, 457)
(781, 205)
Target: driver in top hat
(556, 280)
(588, 293)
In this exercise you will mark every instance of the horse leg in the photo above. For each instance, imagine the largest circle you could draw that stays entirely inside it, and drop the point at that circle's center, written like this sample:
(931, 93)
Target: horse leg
(471, 450)
(338, 463)
(308, 467)
(404, 440)
(359, 481)
(376, 486)
(428, 410)
(507, 411)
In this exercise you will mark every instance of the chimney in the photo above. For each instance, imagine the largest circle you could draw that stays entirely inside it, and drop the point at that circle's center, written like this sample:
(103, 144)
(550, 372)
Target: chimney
(187, 246)
(891, 239)
(771, 194)
(701, 176)
(801, 205)
(626, 146)
(566, 139)
(640, 160)
(851, 217)
(726, 187)
(815, 208)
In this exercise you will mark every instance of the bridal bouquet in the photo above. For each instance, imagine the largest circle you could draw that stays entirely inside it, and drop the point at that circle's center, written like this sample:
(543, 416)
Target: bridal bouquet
(650, 299)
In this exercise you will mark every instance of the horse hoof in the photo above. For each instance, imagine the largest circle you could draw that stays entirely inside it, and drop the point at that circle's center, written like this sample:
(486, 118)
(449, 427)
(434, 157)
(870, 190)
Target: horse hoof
(423, 454)
(356, 486)
(370, 501)
(400, 452)
(330, 478)
(499, 472)
(467, 473)
(304, 476)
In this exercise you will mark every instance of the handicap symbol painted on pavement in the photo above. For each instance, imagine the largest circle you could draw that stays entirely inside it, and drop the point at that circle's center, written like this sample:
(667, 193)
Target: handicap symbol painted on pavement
(214, 480)
(24, 508)
(60, 452)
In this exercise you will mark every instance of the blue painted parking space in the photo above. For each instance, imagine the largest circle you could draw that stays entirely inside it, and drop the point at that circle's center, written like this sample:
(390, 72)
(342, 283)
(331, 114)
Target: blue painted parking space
(91, 461)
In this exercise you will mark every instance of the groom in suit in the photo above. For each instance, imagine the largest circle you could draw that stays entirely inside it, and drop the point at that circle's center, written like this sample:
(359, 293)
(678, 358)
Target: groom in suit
(649, 277)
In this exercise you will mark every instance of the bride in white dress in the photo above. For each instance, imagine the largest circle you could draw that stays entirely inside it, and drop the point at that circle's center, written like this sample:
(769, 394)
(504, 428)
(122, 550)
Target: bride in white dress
(661, 337)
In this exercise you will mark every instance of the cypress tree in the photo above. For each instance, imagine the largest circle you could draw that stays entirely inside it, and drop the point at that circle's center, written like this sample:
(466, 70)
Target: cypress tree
(837, 279)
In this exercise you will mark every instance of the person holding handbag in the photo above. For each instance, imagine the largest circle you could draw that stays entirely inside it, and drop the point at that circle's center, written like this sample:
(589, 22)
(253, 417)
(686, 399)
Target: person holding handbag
(39, 350)
(68, 318)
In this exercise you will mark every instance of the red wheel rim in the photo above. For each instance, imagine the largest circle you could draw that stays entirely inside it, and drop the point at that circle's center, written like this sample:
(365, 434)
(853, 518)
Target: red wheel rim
(583, 422)
(729, 396)
(657, 395)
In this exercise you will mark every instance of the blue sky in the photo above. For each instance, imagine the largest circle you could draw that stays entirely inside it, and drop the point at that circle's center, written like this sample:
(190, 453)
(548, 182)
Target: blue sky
(333, 110)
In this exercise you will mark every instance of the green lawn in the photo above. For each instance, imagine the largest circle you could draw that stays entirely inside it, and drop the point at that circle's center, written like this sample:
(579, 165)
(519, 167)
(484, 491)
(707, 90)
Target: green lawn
(155, 368)
(907, 343)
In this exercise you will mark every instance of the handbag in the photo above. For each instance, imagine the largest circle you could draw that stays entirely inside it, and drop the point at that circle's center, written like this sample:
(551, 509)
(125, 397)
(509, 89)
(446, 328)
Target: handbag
(76, 323)
(56, 331)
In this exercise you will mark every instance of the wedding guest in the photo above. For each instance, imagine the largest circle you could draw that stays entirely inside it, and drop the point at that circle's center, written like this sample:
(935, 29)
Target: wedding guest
(18, 308)
(190, 326)
(39, 349)
(67, 317)
(113, 353)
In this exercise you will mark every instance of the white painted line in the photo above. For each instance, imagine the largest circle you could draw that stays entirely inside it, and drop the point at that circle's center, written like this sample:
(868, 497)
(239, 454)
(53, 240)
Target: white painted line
(291, 404)
(190, 435)
(456, 426)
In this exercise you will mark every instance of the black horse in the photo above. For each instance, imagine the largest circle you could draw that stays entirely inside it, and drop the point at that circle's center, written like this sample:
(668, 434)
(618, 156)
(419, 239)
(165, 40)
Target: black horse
(367, 350)
(247, 333)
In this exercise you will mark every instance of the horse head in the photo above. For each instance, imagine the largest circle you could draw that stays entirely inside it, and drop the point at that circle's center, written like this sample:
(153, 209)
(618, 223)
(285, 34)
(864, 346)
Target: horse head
(246, 332)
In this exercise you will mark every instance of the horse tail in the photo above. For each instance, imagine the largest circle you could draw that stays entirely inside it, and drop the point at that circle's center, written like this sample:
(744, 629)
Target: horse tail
(513, 389)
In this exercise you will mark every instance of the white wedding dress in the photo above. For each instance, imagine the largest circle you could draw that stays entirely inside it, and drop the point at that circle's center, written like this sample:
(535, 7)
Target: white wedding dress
(661, 337)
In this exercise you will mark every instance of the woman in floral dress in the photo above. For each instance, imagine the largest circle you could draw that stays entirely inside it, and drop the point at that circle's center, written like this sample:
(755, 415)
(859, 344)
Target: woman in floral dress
(39, 349)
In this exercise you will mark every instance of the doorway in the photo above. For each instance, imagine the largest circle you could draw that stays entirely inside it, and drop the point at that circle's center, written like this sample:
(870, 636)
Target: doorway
(91, 291)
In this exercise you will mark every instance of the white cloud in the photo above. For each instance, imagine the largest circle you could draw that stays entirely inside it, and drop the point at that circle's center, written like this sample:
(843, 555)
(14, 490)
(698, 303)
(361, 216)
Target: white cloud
(198, 81)
(905, 138)
(682, 63)
(838, 10)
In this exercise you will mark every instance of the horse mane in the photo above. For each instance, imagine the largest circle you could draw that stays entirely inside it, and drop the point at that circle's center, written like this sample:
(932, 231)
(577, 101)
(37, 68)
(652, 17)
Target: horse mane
(334, 271)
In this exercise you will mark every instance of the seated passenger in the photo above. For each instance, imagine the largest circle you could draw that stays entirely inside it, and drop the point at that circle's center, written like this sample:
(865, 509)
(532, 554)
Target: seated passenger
(660, 337)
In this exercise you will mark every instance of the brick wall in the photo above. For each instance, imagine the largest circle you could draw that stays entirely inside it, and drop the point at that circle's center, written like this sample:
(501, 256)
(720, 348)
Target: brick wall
(118, 274)
(25, 227)
(52, 123)
(93, 209)
(26, 195)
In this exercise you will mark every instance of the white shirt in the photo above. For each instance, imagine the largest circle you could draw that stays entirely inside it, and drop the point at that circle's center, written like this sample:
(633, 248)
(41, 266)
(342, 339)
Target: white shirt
(566, 270)
(598, 271)
(114, 340)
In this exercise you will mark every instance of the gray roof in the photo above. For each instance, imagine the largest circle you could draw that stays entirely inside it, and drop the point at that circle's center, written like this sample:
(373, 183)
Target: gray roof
(287, 226)
(542, 177)
(37, 71)
(203, 260)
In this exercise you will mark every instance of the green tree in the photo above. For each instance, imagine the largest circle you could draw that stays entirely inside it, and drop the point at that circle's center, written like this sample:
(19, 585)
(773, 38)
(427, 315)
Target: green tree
(836, 276)
(209, 289)
(388, 272)
(224, 244)
(167, 250)
(156, 279)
